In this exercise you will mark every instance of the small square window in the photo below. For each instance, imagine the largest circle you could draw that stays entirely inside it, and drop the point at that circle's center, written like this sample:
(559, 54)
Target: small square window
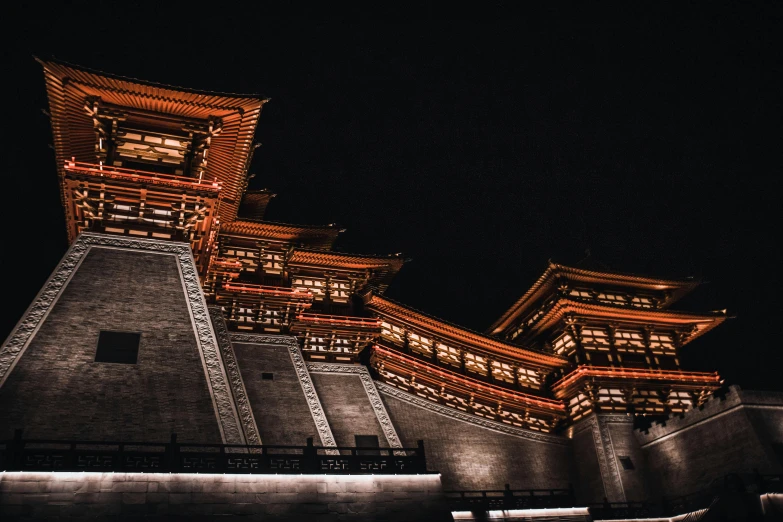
(267, 376)
(626, 462)
(118, 347)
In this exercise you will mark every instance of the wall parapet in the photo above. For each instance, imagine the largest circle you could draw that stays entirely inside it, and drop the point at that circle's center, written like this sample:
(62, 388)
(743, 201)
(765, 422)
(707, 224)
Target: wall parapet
(717, 405)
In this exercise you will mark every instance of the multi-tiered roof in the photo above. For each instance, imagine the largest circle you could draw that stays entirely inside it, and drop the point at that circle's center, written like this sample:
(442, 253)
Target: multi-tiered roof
(149, 160)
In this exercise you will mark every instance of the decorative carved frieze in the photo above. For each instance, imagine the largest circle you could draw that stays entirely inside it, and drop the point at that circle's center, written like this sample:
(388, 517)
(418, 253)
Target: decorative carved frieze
(235, 377)
(604, 450)
(316, 410)
(369, 388)
(19, 340)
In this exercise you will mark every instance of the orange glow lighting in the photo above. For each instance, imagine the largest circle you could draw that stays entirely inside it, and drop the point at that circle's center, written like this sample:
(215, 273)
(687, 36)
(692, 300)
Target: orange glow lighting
(620, 373)
(266, 290)
(472, 383)
(335, 319)
(138, 175)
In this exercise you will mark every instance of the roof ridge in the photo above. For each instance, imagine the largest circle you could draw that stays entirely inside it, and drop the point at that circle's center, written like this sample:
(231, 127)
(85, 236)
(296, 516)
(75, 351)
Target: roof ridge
(687, 279)
(686, 285)
(281, 223)
(397, 255)
(139, 81)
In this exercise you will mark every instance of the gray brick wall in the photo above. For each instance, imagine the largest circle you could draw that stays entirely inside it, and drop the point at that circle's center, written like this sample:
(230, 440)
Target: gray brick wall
(635, 482)
(730, 435)
(588, 485)
(279, 405)
(153, 496)
(58, 391)
(347, 408)
(470, 457)
(689, 459)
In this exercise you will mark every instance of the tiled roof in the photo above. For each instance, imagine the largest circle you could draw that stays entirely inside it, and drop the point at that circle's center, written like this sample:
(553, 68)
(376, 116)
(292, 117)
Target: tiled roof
(700, 323)
(383, 268)
(676, 287)
(68, 86)
(439, 327)
(316, 236)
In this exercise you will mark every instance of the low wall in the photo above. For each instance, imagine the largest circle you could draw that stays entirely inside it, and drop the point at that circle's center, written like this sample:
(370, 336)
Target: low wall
(159, 496)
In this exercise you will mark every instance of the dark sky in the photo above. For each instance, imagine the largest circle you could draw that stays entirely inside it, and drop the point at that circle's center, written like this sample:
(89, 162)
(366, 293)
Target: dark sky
(480, 149)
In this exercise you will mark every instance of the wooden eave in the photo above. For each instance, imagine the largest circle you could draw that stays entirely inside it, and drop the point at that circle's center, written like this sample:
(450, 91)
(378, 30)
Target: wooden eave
(320, 258)
(254, 203)
(570, 384)
(74, 137)
(677, 288)
(700, 323)
(445, 330)
(382, 268)
(316, 236)
(465, 384)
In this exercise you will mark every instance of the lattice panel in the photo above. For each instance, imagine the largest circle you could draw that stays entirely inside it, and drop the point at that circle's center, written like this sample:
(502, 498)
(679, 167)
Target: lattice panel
(285, 463)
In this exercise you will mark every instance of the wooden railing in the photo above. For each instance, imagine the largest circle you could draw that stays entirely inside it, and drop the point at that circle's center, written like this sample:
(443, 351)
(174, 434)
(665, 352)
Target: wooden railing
(19, 454)
(141, 176)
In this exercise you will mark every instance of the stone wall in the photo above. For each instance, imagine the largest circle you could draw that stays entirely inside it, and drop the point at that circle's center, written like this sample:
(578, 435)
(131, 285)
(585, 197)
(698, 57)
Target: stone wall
(347, 408)
(472, 457)
(154, 496)
(634, 481)
(56, 390)
(279, 404)
(588, 484)
(602, 442)
(734, 434)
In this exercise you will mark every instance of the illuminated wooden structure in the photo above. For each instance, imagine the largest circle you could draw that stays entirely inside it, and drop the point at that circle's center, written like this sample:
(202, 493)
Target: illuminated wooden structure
(265, 275)
(285, 278)
(462, 369)
(148, 160)
(621, 340)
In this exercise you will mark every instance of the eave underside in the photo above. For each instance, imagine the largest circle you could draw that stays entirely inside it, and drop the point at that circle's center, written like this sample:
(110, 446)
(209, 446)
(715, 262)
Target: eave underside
(74, 134)
(548, 281)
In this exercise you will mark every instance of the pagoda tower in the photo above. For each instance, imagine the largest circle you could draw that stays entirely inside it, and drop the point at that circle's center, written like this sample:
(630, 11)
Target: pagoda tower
(622, 341)
(148, 160)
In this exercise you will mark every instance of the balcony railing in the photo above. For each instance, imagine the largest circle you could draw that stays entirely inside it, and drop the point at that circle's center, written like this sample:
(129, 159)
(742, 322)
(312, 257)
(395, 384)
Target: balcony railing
(274, 291)
(141, 176)
(173, 457)
(339, 320)
(509, 499)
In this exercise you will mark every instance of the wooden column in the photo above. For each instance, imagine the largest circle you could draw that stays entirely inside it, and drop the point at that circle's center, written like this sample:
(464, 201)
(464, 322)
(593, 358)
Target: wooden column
(575, 329)
(611, 330)
(490, 376)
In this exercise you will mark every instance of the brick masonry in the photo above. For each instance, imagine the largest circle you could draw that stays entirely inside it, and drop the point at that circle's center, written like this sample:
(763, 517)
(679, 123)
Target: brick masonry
(279, 405)
(153, 496)
(57, 390)
(588, 483)
(634, 481)
(735, 434)
(347, 408)
(470, 457)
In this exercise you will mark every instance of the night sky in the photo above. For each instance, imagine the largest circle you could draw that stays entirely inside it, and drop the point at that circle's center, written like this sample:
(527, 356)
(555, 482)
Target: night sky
(478, 149)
